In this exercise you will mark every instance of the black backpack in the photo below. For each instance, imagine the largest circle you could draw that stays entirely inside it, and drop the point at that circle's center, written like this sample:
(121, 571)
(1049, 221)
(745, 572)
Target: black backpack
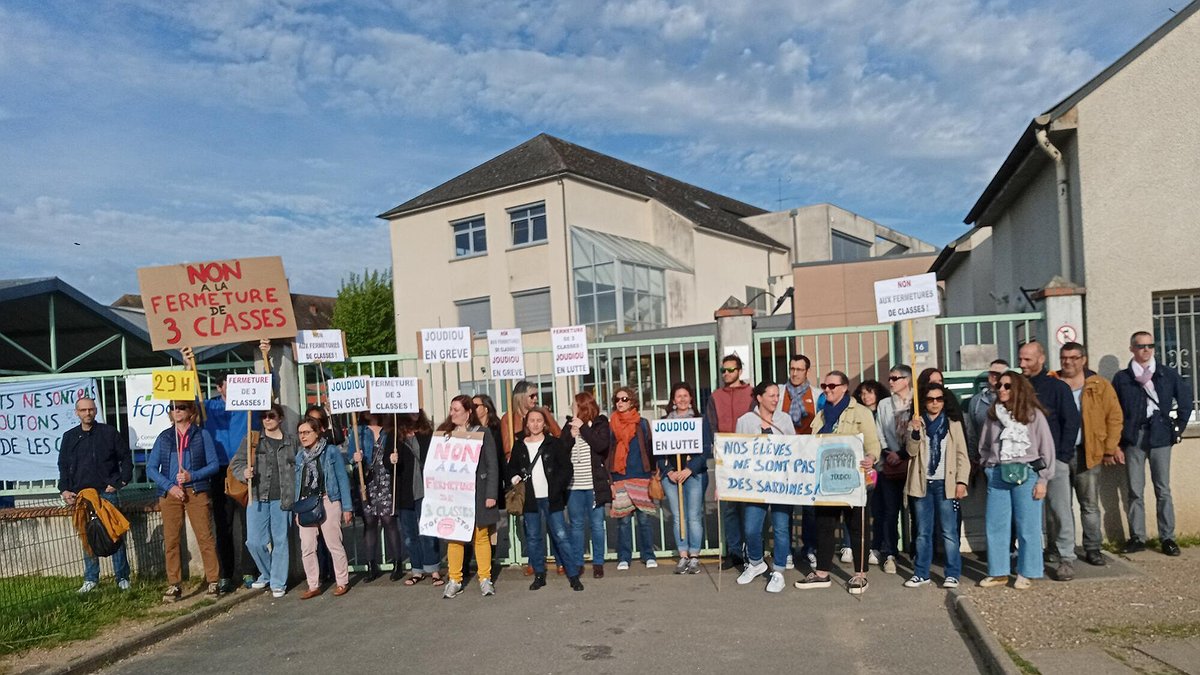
(101, 543)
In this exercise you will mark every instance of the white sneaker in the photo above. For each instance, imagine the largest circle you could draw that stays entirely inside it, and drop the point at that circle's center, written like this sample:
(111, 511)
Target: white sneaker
(791, 563)
(122, 584)
(487, 588)
(453, 589)
(651, 564)
(812, 560)
(873, 558)
(915, 582)
(278, 592)
(889, 564)
(259, 585)
(752, 572)
(622, 565)
(87, 587)
(847, 555)
(775, 585)
(950, 582)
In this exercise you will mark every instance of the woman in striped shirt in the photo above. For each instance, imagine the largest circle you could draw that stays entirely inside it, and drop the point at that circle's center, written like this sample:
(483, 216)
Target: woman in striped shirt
(591, 488)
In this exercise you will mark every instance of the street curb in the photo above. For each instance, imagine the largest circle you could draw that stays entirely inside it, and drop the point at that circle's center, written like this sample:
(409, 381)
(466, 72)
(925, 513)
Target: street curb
(139, 641)
(997, 660)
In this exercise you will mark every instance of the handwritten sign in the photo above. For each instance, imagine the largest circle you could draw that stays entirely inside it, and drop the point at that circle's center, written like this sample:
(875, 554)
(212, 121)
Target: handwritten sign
(320, 346)
(448, 511)
(907, 298)
(439, 345)
(681, 436)
(506, 354)
(347, 394)
(33, 418)
(394, 394)
(212, 303)
(248, 392)
(570, 349)
(783, 469)
(173, 385)
(146, 415)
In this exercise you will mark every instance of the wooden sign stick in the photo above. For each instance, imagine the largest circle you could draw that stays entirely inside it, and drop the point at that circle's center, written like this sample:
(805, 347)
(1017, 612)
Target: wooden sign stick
(395, 459)
(362, 482)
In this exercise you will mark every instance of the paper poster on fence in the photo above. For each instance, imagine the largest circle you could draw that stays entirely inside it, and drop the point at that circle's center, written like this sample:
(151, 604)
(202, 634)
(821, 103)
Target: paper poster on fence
(394, 394)
(347, 394)
(324, 346)
(798, 470)
(679, 436)
(438, 345)
(448, 511)
(147, 416)
(248, 392)
(33, 418)
(570, 348)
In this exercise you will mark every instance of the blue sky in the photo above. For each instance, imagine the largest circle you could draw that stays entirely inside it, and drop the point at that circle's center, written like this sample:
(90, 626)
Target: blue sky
(151, 133)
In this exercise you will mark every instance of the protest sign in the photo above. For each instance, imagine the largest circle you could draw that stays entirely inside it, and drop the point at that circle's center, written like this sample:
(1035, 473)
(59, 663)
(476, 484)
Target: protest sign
(248, 392)
(320, 346)
(907, 298)
(679, 436)
(784, 469)
(570, 349)
(506, 354)
(394, 394)
(173, 385)
(448, 511)
(347, 394)
(438, 345)
(147, 416)
(33, 418)
(212, 303)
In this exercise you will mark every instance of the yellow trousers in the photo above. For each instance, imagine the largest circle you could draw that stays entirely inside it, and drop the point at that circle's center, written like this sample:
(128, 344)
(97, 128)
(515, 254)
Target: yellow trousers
(483, 555)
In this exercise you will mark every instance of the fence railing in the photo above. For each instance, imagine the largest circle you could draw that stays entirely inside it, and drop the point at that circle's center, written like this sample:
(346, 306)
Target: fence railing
(998, 334)
(862, 352)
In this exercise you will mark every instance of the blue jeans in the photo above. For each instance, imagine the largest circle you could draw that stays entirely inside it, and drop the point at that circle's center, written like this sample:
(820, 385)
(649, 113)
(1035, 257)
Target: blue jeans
(582, 511)
(625, 537)
(731, 521)
(120, 560)
(535, 539)
(1005, 503)
(422, 551)
(693, 512)
(781, 526)
(267, 540)
(935, 505)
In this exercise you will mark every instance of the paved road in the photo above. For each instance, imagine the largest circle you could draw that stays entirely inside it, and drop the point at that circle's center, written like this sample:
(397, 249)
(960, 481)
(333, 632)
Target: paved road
(636, 621)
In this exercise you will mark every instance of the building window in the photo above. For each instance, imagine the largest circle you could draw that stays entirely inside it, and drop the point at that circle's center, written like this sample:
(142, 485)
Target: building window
(528, 224)
(476, 314)
(1176, 319)
(532, 309)
(757, 298)
(470, 237)
(614, 296)
(847, 248)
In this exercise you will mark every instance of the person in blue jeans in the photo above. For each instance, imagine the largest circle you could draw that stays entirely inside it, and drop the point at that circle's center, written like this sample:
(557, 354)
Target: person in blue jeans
(630, 464)
(273, 491)
(95, 455)
(543, 464)
(415, 432)
(689, 472)
(590, 490)
(766, 418)
(1017, 453)
(937, 479)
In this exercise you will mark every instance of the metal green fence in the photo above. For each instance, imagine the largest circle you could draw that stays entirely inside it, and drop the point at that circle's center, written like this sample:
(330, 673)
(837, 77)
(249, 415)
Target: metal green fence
(862, 352)
(998, 334)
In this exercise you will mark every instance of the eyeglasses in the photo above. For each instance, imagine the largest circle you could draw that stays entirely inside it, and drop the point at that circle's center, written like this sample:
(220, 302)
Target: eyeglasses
(1006, 385)
(893, 378)
(729, 370)
(620, 399)
(180, 406)
(831, 387)
(85, 410)
(797, 370)
(1070, 358)
(935, 399)
(307, 433)
(1147, 345)
(270, 416)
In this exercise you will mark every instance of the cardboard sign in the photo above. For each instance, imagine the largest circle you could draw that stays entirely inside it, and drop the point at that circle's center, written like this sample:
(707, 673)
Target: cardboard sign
(783, 469)
(570, 348)
(173, 385)
(506, 354)
(451, 345)
(33, 418)
(448, 511)
(320, 346)
(907, 298)
(680, 436)
(213, 303)
(347, 394)
(147, 416)
(248, 392)
(394, 394)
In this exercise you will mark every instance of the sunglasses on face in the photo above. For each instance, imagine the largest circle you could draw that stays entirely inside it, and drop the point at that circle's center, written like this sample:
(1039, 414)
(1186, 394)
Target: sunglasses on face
(830, 387)
(1006, 385)
(730, 370)
(1146, 345)
(621, 399)
(184, 406)
(270, 416)
(893, 378)
(934, 399)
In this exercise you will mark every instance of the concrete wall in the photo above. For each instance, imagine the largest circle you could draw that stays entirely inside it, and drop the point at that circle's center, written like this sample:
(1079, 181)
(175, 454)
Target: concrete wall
(835, 295)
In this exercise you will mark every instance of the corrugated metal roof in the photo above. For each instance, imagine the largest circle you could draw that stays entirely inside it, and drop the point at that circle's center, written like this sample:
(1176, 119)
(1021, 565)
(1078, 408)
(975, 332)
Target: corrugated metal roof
(630, 250)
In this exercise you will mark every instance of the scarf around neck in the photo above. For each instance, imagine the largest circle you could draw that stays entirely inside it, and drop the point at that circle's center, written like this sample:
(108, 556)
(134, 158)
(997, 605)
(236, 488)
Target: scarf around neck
(624, 427)
(935, 430)
(796, 408)
(312, 465)
(1014, 437)
(833, 413)
(1145, 377)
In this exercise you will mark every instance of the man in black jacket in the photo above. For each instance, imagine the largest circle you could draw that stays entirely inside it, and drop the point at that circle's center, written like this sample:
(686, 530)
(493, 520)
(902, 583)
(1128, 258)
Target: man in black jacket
(1148, 390)
(1064, 419)
(95, 455)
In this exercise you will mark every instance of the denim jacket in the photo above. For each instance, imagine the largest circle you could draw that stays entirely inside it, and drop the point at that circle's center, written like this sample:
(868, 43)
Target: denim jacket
(337, 479)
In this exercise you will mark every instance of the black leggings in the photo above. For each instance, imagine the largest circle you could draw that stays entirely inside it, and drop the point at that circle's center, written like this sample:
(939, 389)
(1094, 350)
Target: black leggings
(391, 530)
(828, 518)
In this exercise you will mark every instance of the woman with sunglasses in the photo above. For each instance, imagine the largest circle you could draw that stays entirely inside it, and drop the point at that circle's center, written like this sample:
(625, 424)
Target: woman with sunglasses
(686, 480)
(320, 472)
(887, 501)
(462, 419)
(630, 464)
(376, 452)
(1017, 454)
(937, 480)
(271, 497)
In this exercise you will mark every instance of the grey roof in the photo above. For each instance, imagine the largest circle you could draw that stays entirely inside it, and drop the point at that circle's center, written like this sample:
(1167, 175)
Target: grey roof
(544, 157)
(630, 250)
(1027, 142)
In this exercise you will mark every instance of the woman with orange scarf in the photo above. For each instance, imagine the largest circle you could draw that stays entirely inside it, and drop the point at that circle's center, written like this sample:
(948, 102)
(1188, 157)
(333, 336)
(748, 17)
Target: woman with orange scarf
(631, 465)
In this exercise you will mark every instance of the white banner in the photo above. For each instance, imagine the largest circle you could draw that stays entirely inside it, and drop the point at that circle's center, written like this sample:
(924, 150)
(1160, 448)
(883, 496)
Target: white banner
(444, 344)
(681, 436)
(147, 416)
(248, 392)
(570, 348)
(907, 298)
(394, 394)
(347, 394)
(33, 418)
(506, 354)
(448, 511)
(320, 345)
(781, 469)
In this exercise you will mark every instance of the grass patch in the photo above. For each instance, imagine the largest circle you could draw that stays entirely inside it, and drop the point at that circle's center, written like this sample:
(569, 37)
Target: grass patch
(1156, 631)
(1025, 666)
(59, 615)
(1186, 541)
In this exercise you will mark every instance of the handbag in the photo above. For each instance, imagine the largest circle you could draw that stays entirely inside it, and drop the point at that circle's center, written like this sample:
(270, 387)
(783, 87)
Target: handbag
(1014, 473)
(514, 499)
(310, 511)
(234, 487)
(655, 488)
(99, 540)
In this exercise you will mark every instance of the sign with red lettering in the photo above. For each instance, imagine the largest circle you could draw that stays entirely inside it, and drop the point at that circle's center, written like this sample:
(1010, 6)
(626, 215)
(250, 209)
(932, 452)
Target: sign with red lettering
(570, 348)
(213, 303)
(907, 298)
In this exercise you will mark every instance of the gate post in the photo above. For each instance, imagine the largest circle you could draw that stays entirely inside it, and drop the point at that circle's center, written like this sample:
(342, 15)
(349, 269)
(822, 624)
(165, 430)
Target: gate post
(735, 335)
(922, 351)
(1064, 316)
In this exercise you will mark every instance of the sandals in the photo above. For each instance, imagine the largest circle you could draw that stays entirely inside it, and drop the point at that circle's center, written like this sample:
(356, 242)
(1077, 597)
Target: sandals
(414, 580)
(438, 580)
